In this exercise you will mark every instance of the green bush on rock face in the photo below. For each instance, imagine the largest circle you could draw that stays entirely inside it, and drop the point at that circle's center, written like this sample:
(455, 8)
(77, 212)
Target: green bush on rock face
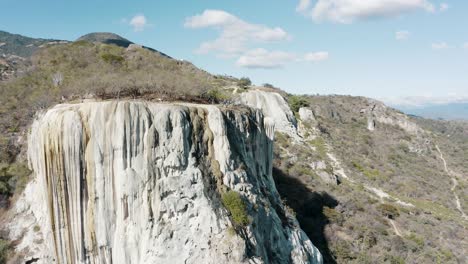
(4, 246)
(236, 206)
(13, 177)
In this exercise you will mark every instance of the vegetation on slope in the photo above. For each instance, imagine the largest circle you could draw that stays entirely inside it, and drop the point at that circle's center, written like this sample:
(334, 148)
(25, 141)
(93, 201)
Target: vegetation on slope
(348, 222)
(84, 69)
(14, 44)
(236, 207)
(106, 38)
(4, 247)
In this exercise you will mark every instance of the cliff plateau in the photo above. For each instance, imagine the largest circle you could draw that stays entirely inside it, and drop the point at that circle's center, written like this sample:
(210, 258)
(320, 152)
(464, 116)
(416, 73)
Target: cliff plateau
(141, 182)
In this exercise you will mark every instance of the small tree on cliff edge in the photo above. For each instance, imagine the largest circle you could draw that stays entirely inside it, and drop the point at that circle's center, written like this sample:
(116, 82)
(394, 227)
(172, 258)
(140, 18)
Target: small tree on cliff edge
(244, 83)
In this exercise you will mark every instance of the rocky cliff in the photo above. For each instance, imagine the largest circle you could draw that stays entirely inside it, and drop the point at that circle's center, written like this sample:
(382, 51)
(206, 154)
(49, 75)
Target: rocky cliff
(137, 182)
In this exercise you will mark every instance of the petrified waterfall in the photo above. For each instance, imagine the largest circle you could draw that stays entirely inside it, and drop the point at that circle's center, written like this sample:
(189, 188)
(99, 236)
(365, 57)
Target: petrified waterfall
(140, 182)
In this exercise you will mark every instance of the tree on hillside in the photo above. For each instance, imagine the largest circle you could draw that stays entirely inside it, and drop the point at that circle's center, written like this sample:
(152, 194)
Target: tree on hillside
(244, 82)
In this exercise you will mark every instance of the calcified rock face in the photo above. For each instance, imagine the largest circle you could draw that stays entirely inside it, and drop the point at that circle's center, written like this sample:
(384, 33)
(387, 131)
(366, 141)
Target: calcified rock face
(274, 107)
(135, 182)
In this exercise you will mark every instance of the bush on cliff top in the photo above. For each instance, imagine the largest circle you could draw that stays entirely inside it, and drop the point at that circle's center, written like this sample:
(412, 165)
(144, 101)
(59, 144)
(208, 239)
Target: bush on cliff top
(296, 102)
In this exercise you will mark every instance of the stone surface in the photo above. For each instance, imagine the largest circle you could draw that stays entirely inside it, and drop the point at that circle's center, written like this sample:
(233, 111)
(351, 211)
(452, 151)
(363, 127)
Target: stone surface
(306, 114)
(136, 182)
(378, 112)
(273, 106)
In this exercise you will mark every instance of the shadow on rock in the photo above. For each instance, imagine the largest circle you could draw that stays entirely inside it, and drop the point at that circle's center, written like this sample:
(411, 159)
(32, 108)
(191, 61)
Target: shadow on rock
(308, 206)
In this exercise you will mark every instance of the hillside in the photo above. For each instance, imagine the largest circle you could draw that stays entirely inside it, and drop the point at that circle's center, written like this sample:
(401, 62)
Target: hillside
(82, 69)
(112, 39)
(376, 183)
(367, 183)
(106, 38)
(18, 45)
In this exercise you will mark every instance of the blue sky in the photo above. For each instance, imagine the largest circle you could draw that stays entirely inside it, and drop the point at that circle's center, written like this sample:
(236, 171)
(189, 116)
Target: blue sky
(412, 51)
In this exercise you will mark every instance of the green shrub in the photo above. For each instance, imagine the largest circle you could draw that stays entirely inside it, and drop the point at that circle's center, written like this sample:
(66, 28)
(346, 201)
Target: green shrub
(369, 173)
(282, 139)
(4, 248)
(112, 58)
(342, 251)
(299, 169)
(236, 207)
(416, 239)
(320, 147)
(332, 215)
(388, 210)
(4, 188)
(296, 102)
(13, 177)
(216, 96)
(394, 259)
(244, 82)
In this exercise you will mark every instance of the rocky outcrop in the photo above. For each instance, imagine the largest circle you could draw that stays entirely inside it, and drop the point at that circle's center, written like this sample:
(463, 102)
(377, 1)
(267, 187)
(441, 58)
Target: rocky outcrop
(136, 182)
(306, 114)
(274, 107)
(378, 112)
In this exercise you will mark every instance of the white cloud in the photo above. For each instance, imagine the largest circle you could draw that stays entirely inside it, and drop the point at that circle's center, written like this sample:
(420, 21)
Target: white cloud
(262, 58)
(303, 5)
(443, 7)
(235, 34)
(347, 11)
(138, 22)
(465, 46)
(316, 56)
(419, 101)
(402, 35)
(440, 46)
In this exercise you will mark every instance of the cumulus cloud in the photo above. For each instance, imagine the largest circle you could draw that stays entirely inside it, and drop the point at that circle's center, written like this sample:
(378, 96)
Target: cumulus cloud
(440, 46)
(238, 39)
(138, 22)
(235, 33)
(443, 7)
(316, 56)
(347, 11)
(402, 35)
(303, 5)
(262, 58)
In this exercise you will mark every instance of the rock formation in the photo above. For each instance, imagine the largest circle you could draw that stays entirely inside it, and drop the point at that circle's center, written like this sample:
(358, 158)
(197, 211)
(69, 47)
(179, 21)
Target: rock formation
(274, 107)
(137, 182)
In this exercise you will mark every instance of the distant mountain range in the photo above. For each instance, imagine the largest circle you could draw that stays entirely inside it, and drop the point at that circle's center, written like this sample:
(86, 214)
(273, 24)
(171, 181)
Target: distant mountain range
(18, 45)
(14, 44)
(452, 111)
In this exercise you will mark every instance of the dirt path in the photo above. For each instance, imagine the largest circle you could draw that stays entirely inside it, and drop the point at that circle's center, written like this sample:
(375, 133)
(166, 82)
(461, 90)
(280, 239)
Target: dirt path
(454, 184)
(395, 228)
